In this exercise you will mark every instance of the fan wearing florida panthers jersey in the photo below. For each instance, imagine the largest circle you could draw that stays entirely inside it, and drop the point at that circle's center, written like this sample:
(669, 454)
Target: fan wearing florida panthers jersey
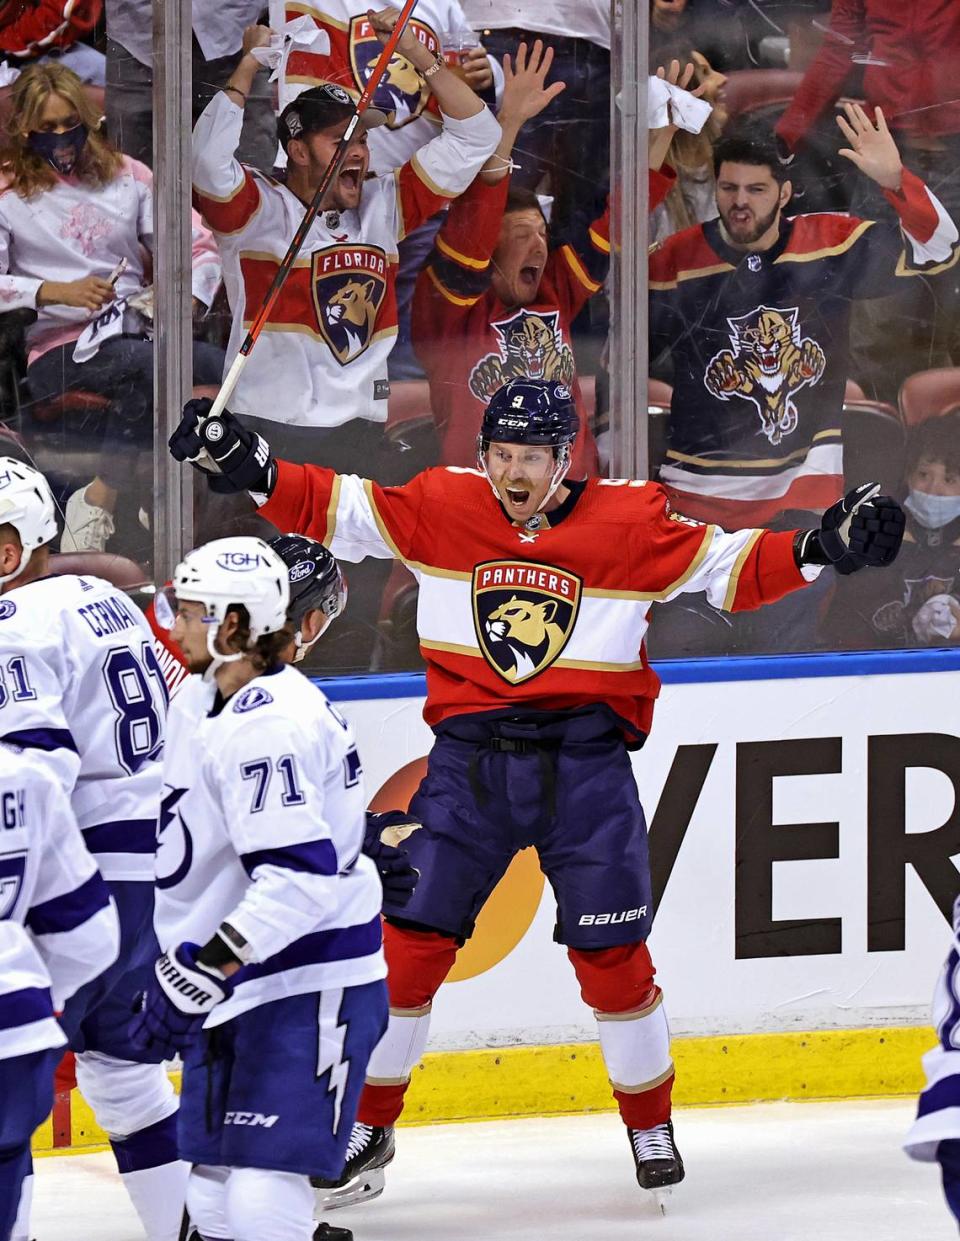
(935, 1134)
(271, 982)
(322, 358)
(754, 309)
(58, 931)
(535, 595)
(81, 689)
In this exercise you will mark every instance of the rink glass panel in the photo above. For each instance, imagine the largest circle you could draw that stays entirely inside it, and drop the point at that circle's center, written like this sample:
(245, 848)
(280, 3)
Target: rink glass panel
(768, 377)
(876, 349)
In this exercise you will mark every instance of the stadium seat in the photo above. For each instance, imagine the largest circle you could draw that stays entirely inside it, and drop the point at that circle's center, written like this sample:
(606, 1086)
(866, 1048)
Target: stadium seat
(928, 394)
(118, 570)
(873, 444)
(751, 91)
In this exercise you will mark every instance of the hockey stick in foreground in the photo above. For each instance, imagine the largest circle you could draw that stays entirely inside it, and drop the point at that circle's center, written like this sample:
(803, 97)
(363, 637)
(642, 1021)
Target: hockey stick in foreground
(263, 314)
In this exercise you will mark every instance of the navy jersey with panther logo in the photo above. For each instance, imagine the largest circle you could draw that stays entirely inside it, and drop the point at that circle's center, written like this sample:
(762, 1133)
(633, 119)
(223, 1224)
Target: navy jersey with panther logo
(760, 349)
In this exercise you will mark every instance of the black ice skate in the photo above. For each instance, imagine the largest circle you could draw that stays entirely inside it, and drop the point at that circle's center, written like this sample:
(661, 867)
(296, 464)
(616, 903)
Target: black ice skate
(369, 1151)
(659, 1166)
(327, 1232)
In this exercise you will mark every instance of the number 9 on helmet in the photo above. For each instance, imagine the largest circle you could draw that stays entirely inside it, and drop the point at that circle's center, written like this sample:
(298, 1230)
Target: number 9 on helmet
(538, 412)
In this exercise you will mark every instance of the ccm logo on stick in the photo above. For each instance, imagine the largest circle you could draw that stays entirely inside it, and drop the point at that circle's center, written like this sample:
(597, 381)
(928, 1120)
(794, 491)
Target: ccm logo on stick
(622, 915)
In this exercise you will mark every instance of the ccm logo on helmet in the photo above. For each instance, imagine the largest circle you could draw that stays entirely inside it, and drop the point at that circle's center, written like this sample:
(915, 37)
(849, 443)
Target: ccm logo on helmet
(302, 570)
(622, 915)
(239, 562)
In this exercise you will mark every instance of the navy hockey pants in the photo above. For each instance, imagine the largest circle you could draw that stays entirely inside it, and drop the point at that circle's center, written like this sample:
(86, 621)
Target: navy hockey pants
(561, 783)
(26, 1092)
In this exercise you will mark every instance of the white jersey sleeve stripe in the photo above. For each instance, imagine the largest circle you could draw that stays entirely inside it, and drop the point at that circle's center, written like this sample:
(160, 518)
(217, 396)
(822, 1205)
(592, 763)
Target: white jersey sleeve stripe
(70, 910)
(315, 857)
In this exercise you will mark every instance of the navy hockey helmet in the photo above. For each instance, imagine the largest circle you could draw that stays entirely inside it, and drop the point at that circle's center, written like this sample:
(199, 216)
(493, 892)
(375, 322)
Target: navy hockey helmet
(538, 412)
(530, 411)
(316, 580)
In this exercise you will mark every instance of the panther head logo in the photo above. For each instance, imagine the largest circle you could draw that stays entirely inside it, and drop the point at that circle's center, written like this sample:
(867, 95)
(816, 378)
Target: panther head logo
(348, 291)
(524, 615)
(531, 347)
(768, 363)
(402, 92)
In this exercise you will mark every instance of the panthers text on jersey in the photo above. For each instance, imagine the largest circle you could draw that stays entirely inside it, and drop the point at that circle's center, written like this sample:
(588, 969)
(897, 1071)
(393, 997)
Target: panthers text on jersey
(760, 349)
(413, 116)
(80, 682)
(551, 618)
(321, 359)
(261, 825)
(58, 926)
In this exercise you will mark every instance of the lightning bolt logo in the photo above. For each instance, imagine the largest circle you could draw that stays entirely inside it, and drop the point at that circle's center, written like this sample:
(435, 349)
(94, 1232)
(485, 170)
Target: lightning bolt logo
(330, 1053)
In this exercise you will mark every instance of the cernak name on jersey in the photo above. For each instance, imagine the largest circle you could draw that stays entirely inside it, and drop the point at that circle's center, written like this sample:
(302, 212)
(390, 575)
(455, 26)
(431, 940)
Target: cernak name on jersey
(108, 616)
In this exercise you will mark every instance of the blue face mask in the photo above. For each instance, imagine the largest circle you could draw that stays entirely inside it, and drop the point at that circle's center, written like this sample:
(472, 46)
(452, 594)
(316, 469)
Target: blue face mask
(61, 151)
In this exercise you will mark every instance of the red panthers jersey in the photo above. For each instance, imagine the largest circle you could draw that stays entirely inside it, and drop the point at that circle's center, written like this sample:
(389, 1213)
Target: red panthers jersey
(547, 619)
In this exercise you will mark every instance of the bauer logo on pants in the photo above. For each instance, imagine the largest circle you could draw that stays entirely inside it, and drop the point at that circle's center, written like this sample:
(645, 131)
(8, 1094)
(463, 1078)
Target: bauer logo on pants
(349, 283)
(524, 614)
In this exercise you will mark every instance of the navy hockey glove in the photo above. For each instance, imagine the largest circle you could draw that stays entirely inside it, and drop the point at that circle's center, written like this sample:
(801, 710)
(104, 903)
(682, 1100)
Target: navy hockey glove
(233, 458)
(398, 877)
(863, 530)
(175, 1004)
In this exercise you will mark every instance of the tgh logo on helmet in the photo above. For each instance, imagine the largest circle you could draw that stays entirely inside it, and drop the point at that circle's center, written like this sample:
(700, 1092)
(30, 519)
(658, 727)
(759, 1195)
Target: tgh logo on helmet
(239, 562)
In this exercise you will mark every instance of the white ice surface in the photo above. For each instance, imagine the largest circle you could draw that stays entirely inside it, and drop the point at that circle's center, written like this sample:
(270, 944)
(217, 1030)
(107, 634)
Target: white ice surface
(771, 1172)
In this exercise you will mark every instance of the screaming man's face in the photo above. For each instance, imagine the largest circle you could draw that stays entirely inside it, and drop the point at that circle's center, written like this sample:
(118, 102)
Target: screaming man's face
(520, 257)
(314, 151)
(521, 474)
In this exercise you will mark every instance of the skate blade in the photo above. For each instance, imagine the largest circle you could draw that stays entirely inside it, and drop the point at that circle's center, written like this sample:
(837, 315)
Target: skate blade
(662, 1197)
(365, 1188)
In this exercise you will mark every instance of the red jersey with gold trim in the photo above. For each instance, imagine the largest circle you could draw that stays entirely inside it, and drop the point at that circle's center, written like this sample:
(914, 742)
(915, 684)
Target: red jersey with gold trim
(760, 343)
(413, 117)
(321, 359)
(551, 619)
(471, 343)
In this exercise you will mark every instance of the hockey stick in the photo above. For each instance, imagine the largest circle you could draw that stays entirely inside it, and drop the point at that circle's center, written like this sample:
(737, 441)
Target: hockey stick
(313, 210)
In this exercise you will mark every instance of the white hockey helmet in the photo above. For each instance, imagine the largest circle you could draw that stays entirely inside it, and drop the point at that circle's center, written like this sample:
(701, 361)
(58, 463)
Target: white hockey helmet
(26, 503)
(240, 570)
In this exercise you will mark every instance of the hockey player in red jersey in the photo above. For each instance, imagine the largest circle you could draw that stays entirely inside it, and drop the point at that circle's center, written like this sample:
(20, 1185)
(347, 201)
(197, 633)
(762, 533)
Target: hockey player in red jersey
(535, 593)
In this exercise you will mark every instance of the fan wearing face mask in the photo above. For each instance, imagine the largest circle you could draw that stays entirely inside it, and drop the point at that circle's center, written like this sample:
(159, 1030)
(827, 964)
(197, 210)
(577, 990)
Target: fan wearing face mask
(918, 603)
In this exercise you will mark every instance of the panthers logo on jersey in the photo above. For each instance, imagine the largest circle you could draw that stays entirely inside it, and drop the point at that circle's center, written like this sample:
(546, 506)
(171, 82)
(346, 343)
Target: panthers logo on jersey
(403, 92)
(531, 346)
(768, 362)
(524, 614)
(349, 283)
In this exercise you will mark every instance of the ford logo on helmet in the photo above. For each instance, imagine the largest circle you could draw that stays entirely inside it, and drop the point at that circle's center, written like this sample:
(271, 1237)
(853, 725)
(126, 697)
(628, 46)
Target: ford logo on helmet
(302, 570)
(239, 562)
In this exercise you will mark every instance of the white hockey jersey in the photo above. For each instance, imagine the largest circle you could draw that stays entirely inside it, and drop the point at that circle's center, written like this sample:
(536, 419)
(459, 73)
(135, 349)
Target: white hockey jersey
(80, 681)
(321, 359)
(58, 925)
(938, 1112)
(76, 230)
(262, 825)
(403, 93)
